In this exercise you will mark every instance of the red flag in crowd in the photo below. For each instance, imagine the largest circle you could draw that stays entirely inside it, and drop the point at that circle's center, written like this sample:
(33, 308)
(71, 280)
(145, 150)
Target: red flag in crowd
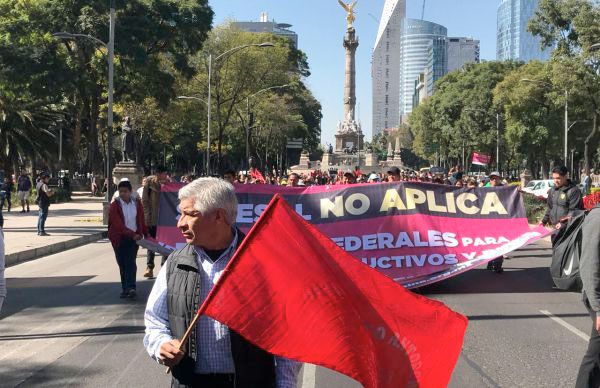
(293, 292)
(256, 175)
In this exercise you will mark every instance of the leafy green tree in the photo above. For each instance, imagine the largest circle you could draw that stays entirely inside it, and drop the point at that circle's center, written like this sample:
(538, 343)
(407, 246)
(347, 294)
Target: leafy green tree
(152, 38)
(238, 75)
(567, 25)
(572, 27)
(532, 116)
(460, 117)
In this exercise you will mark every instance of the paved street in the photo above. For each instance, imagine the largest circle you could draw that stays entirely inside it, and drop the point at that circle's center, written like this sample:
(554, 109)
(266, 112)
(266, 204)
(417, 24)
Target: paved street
(67, 222)
(64, 325)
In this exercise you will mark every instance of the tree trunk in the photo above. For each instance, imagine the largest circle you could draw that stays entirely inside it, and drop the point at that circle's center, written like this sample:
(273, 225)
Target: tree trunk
(93, 150)
(77, 128)
(586, 148)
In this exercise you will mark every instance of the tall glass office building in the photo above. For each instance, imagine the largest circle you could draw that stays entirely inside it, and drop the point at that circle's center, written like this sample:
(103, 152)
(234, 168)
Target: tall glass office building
(422, 45)
(514, 42)
(386, 68)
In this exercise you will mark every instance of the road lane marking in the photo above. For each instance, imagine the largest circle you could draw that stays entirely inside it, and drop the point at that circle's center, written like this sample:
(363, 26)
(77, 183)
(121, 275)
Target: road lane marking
(566, 325)
(309, 376)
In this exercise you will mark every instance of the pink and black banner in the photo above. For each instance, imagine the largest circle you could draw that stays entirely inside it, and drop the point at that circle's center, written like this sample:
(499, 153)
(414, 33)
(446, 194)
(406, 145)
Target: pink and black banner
(481, 159)
(415, 233)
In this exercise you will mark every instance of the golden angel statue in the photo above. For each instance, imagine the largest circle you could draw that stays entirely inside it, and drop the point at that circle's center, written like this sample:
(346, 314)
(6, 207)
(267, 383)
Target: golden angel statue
(350, 9)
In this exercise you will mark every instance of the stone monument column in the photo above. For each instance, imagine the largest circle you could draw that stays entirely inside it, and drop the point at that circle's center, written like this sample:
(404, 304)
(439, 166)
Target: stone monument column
(349, 137)
(350, 44)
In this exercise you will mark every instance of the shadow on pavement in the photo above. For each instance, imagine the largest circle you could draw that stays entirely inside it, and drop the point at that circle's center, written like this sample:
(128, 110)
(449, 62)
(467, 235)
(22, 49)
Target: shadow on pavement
(67, 291)
(62, 376)
(58, 229)
(110, 330)
(480, 280)
(523, 316)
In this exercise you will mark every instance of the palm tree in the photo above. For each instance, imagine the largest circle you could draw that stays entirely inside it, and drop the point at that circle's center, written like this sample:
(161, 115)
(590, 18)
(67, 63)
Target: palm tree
(27, 129)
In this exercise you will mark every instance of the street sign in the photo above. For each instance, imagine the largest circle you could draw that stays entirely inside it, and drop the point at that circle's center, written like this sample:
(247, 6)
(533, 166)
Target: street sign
(295, 143)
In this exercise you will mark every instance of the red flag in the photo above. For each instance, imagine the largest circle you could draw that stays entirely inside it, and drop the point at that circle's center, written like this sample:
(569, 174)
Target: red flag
(256, 174)
(293, 292)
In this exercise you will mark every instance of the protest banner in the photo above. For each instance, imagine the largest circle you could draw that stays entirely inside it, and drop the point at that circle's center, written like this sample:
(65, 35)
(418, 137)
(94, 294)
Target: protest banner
(415, 233)
(481, 159)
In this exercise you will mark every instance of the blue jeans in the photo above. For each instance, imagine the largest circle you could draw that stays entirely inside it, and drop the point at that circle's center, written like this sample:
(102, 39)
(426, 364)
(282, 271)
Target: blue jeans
(126, 254)
(43, 215)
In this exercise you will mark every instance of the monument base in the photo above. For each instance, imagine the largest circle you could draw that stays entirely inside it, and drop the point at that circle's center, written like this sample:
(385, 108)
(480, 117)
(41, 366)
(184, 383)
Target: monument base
(129, 170)
(304, 160)
(371, 159)
(133, 173)
(348, 141)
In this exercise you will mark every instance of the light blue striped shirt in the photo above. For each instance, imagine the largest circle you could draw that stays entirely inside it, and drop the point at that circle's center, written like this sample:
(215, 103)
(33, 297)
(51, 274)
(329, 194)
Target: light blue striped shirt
(214, 346)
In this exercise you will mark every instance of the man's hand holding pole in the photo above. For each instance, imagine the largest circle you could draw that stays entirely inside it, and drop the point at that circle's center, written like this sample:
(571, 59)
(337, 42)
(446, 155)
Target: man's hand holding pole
(171, 353)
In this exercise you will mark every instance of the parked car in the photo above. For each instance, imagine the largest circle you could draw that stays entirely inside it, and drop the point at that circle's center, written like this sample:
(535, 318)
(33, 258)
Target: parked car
(539, 188)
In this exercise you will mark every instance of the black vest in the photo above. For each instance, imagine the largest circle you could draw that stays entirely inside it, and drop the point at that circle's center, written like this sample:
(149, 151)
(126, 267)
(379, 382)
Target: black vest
(254, 368)
(42, 198)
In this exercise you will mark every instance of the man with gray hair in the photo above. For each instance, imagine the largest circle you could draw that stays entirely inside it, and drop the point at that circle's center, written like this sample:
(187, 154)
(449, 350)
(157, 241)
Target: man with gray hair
(214, 356)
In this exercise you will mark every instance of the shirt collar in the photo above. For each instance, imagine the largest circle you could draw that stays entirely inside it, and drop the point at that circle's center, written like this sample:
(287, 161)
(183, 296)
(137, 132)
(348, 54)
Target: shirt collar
(123, 203)
(227, 253)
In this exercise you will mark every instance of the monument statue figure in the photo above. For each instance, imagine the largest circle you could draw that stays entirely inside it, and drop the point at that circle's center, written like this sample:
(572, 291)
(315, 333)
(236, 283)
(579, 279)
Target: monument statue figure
(127, 140)
(350, 9)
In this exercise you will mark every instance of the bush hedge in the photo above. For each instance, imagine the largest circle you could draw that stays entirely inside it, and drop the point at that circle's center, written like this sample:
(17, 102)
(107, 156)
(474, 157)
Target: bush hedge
(535, 207)
(60, 196)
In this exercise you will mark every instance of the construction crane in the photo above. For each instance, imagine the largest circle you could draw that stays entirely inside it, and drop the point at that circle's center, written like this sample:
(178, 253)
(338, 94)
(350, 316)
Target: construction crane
(423, 11)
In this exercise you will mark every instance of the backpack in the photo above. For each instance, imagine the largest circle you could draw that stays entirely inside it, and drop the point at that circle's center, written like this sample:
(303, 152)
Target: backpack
(566, 254)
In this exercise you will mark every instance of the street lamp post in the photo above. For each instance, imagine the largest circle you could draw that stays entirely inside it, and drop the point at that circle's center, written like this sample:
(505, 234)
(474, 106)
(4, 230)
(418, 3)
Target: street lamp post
(210, 70)
(566, 124)
(111, 86)
(497, 133)
(248, 126)
(110, 46)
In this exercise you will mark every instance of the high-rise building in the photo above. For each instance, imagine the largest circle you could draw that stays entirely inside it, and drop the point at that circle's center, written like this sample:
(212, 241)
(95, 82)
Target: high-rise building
(514, 42)
(264, 25)
(385, 69)
(422, 45)
(461, 51)
(420, 93)
(437, 61)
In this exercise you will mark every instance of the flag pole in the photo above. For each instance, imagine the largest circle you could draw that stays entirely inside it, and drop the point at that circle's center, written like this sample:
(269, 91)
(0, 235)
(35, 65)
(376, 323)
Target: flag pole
(186, 336)
(226, 271)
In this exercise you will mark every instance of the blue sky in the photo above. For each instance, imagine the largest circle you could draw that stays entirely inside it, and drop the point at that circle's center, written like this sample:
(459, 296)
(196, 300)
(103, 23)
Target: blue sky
(321, 24)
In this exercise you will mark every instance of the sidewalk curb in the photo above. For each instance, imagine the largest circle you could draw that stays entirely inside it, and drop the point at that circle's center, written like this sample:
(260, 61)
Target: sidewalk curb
(51, 249)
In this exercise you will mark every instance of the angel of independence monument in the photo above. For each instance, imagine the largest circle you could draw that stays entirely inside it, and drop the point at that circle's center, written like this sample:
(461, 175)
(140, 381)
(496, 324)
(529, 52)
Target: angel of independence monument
(349, 138)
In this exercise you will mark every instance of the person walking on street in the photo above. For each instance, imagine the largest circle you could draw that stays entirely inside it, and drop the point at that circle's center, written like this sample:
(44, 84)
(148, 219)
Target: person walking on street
(24, 190)
(214, 356)
(496, 264)
(150, 200)
(393, 174)
(2, 265)
(7, 189)
(563, 199)
(293, 180)
(585, 183)
(140, 191)
(589, 267)
(126, 226)
(93, 185)
(43, 200)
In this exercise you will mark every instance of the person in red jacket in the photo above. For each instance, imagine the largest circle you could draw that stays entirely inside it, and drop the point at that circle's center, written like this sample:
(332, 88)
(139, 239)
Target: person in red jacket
(126, 226)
